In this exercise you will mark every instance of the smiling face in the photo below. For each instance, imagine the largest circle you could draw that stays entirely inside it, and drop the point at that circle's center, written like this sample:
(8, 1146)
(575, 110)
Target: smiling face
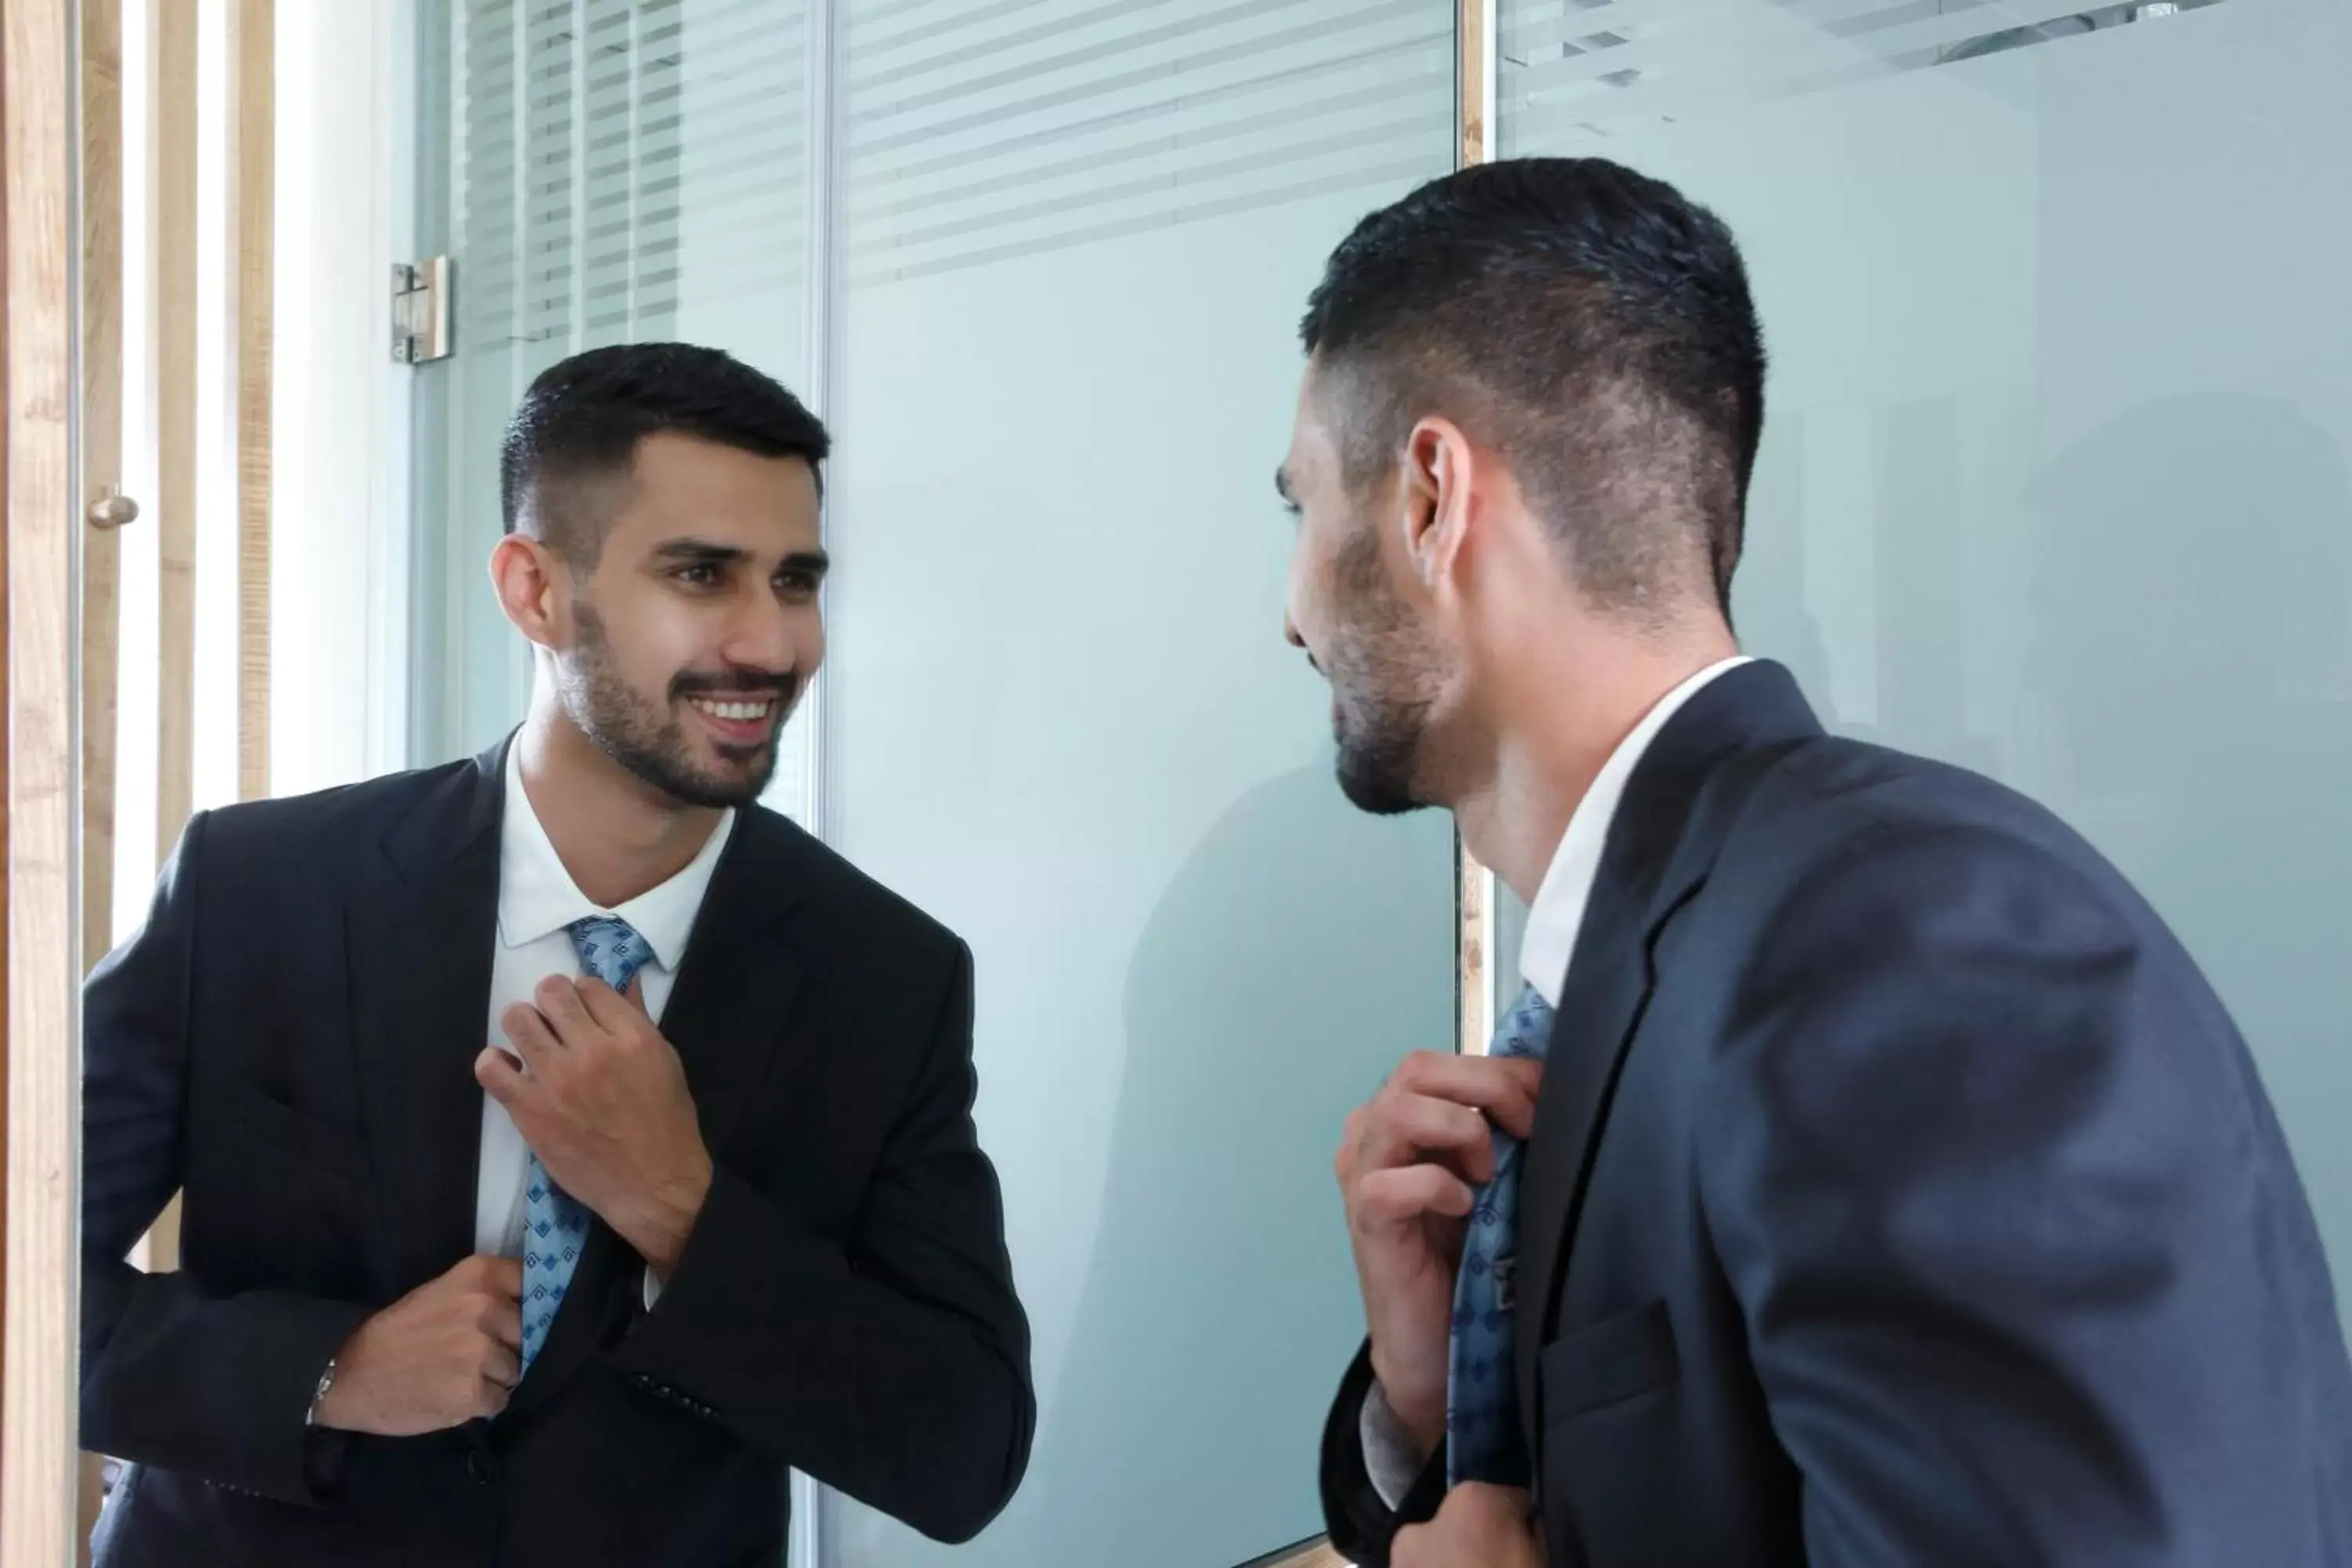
(698, 627)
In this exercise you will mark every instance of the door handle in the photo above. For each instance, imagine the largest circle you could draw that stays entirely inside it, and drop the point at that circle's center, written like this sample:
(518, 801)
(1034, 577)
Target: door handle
(112, 510)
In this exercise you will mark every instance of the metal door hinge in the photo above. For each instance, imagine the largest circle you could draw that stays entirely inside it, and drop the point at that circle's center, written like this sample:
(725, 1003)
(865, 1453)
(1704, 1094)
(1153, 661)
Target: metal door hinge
(420, 311)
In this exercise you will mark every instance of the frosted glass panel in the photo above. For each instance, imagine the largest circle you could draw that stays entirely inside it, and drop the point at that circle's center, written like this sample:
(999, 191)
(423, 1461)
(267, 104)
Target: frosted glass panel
(2054, 478)
(1080, 238)
(603, 172)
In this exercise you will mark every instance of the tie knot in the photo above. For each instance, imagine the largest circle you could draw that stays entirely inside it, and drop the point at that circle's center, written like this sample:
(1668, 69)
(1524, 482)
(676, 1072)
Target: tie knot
(610, 949)
(1526, 1029)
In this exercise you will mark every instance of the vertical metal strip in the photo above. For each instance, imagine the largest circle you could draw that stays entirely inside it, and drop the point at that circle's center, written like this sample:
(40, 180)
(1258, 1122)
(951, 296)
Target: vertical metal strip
(822, 61)
(575, 128)
(1474, 968)
(399, 102)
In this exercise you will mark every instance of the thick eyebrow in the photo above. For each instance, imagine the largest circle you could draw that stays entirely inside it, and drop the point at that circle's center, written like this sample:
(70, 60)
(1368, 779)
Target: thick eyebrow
(1282, 487)
(698, 552)
(704, 553)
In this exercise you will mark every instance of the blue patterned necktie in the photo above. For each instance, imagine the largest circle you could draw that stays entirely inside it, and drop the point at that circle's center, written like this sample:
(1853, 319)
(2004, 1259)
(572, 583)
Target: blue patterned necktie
(1483, 1441)
(555, 1223)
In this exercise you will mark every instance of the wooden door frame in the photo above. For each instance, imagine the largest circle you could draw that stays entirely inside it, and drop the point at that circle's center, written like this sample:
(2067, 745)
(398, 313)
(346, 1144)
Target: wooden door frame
(39, 236)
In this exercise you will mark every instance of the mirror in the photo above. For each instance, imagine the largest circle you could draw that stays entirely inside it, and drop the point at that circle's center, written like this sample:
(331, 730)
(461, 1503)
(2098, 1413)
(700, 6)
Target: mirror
(1189, 958)
(2056, 487)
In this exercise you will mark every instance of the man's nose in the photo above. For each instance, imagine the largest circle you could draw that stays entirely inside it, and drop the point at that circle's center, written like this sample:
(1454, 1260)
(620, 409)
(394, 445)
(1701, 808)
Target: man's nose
(761, 635)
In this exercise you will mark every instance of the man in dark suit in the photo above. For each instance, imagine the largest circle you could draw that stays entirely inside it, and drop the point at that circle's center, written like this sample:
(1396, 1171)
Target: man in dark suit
(1865, 1175)
(568, 1144)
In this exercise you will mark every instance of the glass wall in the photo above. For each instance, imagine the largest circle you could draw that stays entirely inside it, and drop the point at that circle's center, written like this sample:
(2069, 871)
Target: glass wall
(2053, 481)
(1079, 239)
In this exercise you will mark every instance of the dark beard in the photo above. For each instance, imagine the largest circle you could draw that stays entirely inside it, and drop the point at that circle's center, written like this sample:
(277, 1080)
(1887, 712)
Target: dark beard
(651, 742)
(1379, 682)
(1376, 764)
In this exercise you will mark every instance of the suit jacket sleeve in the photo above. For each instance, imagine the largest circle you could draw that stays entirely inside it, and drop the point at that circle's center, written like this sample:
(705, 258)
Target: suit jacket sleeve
(171, 1376)
(895, 1368)
(2008, 1219)
(1361, 1522)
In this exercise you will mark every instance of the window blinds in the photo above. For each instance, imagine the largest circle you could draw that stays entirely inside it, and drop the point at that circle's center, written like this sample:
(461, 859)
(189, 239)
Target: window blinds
(615, 154)
(982, 129)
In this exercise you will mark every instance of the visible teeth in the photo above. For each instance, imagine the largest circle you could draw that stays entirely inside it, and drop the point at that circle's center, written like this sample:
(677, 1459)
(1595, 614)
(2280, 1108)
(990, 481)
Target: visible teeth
(739, 711)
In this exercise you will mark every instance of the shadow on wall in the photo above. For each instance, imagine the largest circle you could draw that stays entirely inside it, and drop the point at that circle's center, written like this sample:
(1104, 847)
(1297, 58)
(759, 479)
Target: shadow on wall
(1299, 951)
(2192, 640)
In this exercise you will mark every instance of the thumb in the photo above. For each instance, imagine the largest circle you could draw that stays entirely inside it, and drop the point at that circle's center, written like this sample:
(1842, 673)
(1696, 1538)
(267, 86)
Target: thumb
(496, 1073)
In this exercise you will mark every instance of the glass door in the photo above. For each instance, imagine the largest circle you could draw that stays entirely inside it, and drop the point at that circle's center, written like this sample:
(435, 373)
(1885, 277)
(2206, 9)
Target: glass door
(1039, 265)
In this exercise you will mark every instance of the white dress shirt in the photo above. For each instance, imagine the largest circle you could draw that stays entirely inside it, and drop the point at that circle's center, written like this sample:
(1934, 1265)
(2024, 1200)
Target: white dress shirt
(1556, 916)
(1554, 920)
(537, 902)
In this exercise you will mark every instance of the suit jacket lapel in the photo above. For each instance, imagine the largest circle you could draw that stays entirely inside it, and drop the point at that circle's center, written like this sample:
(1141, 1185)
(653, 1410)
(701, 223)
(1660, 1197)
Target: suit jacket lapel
(420, 950)
(1658, 852)
(1608, 985)
(724, 1018)
(727, 1011)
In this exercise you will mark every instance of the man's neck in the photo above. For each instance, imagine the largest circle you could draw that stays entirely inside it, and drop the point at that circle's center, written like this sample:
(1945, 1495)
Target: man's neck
(617, 835)
(1548, 750)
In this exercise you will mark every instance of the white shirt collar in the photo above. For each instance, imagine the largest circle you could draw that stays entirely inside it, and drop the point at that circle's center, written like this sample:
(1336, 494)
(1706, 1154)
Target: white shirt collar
(537, 896)
(1556, 916)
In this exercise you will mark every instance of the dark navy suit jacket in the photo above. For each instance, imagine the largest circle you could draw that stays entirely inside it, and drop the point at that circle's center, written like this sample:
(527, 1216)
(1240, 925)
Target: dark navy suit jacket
(1899, 1194)
(289, 1041)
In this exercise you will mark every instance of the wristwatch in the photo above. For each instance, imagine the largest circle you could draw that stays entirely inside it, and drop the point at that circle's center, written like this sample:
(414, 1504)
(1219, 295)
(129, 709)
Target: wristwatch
(319, 1394)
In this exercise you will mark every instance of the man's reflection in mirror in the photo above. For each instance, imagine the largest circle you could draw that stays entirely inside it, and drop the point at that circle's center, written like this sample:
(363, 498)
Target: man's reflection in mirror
(567, 1144)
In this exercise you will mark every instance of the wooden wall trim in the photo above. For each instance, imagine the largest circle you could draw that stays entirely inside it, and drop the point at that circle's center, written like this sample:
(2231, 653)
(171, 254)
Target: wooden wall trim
(253, 171)
(1473, 87)
(38, 239)
(177, 389)
(175, 414)
(101, 396)
(101, 457)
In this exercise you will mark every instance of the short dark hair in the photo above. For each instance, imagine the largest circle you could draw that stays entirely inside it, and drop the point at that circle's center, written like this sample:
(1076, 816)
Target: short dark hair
(1589, 323)
(582, 419)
